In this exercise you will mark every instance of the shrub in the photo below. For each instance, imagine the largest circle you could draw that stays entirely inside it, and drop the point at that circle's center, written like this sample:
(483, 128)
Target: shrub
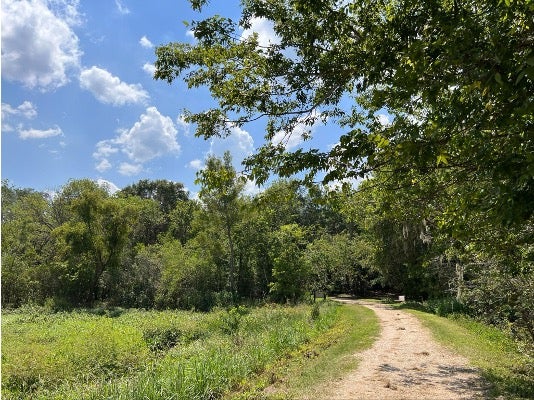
(445, 306)
(162, 338)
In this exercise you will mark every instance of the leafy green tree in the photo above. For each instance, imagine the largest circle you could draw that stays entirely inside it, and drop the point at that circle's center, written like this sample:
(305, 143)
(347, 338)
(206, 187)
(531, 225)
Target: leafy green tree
(188, 279)
(181, 219)
(93, 240)
(28, 247)
(253, 236)
(414, 87)
(165, 193)
(289, 270)
(340, 264)
(161, 197)
(220, 189)
(139, 278)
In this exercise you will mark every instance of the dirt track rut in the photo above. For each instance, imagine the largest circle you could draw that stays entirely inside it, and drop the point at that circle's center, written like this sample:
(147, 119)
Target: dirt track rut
(405, 362)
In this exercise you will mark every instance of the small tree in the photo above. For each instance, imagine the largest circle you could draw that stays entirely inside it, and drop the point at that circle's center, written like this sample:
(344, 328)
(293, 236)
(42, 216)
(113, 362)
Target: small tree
(221, 187)
(289, 271)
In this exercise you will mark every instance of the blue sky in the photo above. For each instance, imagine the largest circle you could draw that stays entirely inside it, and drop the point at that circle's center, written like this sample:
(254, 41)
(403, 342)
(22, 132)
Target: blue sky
(79, 100)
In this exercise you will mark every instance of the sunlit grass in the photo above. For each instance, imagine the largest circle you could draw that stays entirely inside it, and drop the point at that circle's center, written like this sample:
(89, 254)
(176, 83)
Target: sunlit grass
(149, 354)
(308, 371)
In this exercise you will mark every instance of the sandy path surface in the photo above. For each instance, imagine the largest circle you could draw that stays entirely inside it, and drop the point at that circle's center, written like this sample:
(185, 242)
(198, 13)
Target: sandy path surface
(406, 363)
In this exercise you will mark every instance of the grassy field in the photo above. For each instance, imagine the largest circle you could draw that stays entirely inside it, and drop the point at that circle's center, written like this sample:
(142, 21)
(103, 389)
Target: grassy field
(162, 354)
(503, 363)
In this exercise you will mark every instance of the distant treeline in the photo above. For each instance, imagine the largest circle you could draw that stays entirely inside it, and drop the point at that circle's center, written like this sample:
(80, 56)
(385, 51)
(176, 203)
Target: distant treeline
(151, 245)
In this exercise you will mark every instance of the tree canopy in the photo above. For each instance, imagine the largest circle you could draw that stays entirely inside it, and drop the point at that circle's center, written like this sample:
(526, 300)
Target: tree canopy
(455, 78)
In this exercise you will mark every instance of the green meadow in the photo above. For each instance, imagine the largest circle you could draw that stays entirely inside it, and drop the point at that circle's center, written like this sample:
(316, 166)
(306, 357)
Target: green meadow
(134, 354)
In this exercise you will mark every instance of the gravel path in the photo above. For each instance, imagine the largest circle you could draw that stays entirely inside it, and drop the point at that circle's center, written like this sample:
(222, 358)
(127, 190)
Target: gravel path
(405, 362)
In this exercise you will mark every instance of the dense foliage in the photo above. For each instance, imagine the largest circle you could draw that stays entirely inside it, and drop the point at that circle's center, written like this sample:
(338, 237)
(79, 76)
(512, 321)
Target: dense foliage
(85, 247)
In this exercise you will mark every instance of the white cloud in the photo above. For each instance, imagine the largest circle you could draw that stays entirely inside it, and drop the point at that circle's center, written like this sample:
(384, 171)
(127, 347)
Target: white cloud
(196, 164)
(107, 185)
(190, 34)
(39, 48)
(336, 186)
(240, 144)
(383, 119)
(17, 115)
(7, 127)
(154, 135)
(145, 42)
(296, 136)
(26, 110)
(289, 140)
(105, 148)
(40, 134)
(183, 125)
(130, 169)
(109, 89)
(103, 165)
(149, 68)
(67, 10)
(264, 28)
(121, 7)
(251, 189)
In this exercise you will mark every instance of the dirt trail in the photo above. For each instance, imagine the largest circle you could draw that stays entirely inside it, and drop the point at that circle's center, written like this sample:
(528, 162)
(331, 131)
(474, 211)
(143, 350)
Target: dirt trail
(406, 363)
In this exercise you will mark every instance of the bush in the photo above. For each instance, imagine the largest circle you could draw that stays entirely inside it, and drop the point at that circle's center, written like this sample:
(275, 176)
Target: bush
(231, 320)
(162, 339)
(445, 306)
(315, 312)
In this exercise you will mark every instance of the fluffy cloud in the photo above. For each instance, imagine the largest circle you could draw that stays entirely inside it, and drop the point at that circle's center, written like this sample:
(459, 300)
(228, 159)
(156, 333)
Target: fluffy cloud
(149, 68)
(296, 137)
(39, 47)
(190, 34)
(145, 42)
(383, 119)
(107, 185)
(19, 116)
(196, 164)
(251, 189)
(239, 143)
(103, 165)
(105, 148)
(109, 89)
(40, 134)
(264, 29)
(26, 110)
(130, 169)
(154, 135)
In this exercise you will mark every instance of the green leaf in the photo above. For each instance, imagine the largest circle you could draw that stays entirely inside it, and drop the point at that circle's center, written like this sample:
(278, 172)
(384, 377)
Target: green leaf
(442, 159)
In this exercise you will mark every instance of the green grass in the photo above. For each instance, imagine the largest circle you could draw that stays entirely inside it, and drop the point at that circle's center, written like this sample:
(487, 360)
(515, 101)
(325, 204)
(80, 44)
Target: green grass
(307, 371)
(149, 354)
(506, 368)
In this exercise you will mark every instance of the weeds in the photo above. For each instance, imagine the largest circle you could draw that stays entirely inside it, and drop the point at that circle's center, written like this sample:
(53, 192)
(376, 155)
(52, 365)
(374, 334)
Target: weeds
(148, 354)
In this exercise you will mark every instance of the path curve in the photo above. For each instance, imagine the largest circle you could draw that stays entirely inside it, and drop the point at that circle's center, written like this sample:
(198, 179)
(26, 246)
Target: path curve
(405, 362)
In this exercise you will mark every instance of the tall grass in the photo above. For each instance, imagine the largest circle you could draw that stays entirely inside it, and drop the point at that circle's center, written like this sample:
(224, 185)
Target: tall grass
(149, 355)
